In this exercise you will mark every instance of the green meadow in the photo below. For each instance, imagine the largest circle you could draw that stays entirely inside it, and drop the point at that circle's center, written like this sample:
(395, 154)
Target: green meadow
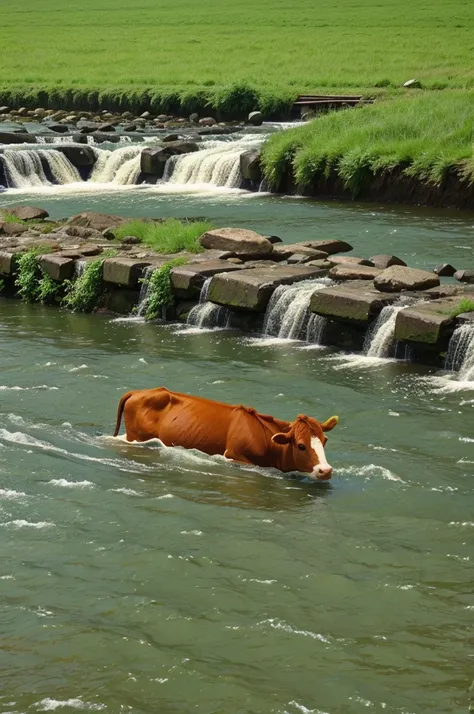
(183, 51)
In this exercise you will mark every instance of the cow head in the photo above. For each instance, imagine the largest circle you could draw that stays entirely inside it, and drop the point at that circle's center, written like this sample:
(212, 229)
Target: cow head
(305, 443)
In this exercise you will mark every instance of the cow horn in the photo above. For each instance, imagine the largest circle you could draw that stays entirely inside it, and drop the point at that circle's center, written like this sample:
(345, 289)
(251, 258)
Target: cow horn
(329, 423)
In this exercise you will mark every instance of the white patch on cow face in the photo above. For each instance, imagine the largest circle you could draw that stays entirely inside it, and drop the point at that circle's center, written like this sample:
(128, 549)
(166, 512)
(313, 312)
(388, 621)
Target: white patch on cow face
(323, 469)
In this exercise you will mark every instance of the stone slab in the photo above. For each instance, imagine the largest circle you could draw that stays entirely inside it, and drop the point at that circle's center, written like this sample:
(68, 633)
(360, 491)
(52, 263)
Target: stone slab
(124, 271)
(398, 277)
(349, 271)
(187, 280)
(58, 267)
(240, 241)
(8, 262)
(426, 322)
(356, 302)
(251, 289)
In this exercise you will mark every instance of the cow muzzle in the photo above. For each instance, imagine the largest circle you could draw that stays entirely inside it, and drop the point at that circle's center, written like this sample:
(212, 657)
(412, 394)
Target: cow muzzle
(321, 472)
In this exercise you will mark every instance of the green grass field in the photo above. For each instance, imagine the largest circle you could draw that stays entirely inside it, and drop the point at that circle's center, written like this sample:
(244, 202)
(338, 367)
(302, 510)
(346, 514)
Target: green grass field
(156, 49)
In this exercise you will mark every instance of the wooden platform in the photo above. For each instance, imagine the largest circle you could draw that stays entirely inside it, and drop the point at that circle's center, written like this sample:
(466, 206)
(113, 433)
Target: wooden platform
(319, 103)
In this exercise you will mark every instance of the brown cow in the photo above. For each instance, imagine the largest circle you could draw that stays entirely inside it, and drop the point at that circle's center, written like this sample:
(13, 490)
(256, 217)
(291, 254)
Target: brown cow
(237, 432)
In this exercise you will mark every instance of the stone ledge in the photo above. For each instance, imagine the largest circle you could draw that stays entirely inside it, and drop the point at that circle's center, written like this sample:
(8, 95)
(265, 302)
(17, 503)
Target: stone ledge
(124, 271)
(427, 322)
(356, 302)
(187, 280)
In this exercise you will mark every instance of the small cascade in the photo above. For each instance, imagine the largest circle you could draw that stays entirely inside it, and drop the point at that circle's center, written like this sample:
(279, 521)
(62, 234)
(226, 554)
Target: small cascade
(79, 268)
(218, 165)
(315, 329)
(287, 315)
(120, 166)
(144, 291)
(24, 169)
(380, 338)
(60, 167)
(460, 356)
(206, 313)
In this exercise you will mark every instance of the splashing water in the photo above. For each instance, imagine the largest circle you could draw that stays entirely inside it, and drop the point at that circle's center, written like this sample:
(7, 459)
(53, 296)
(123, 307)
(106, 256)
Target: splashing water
(208, 314)
(460, 356)
(287, 315)
(380, 338)
(145, 291)
(121, 166)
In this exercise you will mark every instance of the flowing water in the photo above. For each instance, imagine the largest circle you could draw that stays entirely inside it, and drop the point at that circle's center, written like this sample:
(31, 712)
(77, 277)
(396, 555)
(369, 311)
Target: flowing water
(460, 356)
(147, 579)
(288, 315)
(380, 339)
(206, 313)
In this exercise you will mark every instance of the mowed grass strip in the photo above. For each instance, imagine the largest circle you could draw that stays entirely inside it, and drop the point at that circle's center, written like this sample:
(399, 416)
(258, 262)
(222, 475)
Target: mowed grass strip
(425, 136)
(305, 45)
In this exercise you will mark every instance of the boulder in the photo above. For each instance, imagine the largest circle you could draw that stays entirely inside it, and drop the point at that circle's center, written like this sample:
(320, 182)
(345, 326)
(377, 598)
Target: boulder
(464, 276)
(426, 322)
(170, 137)
(345, 259)
(255, 118)
(4, 110)
(58, 267)
(465, 317)
(412, 84)
(8, 261)
(82, 232)
(145, 115)
(153, 160)
(101, 136)
(355, 302)
(397, 278)
(10, 137)
(28, 213)
(329, 246)
(284, 252)
(187, 280)
(207, 121)
(353, 272)
(385, 261)
(444, 270)
(216, 131)
(194, 118)
(79, 155)
(97, 221)
(274, 239)
(58, 128)
(250, 165)
(124, 271)
(106, 127)
(12, 229)
(252, 289)
(129, 127)
(85, 126)
(238, 240)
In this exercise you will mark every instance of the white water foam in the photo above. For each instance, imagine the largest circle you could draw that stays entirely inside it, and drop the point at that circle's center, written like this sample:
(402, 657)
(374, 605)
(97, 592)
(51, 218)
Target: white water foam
(121, 166)
(48, 705)
(64, 483)
(460, 354)
(25, 168)
(208, 314)
(287, 315)
(380, 338)
(20, 523)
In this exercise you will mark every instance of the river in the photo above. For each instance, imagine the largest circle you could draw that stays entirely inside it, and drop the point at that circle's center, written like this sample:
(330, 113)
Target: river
(146, 579)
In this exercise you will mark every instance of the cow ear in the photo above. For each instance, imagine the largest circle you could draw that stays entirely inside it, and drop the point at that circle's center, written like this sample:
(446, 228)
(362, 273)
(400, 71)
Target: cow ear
(281, 438)
(330, 423)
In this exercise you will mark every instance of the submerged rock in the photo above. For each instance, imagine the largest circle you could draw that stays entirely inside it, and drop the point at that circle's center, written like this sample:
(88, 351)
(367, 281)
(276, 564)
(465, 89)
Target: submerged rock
(397, 278)
(79, 155)
(153, 161)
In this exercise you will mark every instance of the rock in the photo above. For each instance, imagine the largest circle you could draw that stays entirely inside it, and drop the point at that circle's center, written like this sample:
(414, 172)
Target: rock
(442, 291)
(8, 260)
(465, 317)
(355, 302)
(321, 263)
(145, 115)
(274, 239)
(78, 155)
(238, 240)
(329, 246)
(386, 261)
(124, 271)
(207, 121)
(284, 252)
(397, 278)
(216, 131)
(106, 127)
(187, 280)
(255, 118)
(194, 118)
(10, 137)
(76, 231)
(100, 136)
(130, 240)
(97, 221)
(251, 289)
(153, 160)
(86, 126)
(250, 165)
(170, 137)
(353, 272)
(12, 229)
(464, 276)
(28, 213)
(444, 270)
(345, 259)
(412, 84)
(235, 261)
(162, 118)
(58, 128)
(426, 322)
(4, 110)
(58, 267)
(129, 127)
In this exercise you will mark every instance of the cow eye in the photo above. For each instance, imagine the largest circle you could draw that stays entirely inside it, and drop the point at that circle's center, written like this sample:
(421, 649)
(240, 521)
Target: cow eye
(301, 447)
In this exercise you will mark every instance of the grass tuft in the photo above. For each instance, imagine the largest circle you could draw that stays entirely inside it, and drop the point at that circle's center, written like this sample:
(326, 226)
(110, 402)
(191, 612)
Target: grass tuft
(170, 236)
(160, 295)
(466, 305)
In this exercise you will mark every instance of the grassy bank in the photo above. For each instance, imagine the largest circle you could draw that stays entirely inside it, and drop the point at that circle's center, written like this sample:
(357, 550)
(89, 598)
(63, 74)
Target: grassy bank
(179, 56)
(424, 136)
(170, 236)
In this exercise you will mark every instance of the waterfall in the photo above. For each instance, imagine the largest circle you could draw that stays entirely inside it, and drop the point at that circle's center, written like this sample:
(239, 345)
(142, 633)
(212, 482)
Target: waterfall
(287, 315)
(380, 338)
(315, 329)
(208, 314)
(25, 168)
(460, 356)
(144, 291)
(217, 165)
(79, 268)
(120, 166)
